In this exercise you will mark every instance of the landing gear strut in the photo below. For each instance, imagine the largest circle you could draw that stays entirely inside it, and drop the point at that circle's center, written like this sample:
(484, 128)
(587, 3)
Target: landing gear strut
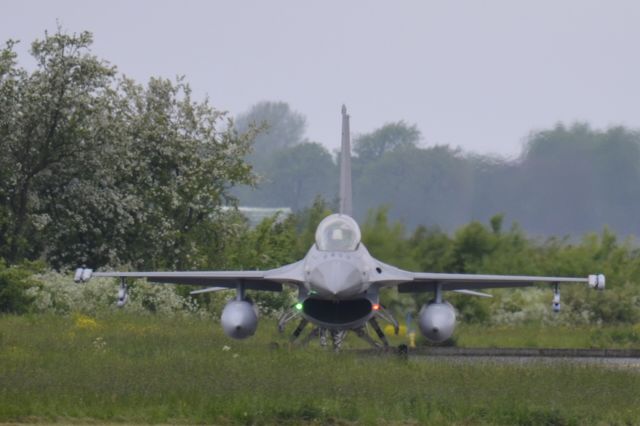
(378, 330)
(556, 298)
(123, 294)
(298, 330)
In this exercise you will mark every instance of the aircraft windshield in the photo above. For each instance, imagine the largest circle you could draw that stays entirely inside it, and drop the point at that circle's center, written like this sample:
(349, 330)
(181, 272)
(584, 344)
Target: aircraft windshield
(338, 233)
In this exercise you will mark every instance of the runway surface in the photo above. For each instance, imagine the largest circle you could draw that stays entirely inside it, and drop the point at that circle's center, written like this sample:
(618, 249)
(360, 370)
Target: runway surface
(608, 357)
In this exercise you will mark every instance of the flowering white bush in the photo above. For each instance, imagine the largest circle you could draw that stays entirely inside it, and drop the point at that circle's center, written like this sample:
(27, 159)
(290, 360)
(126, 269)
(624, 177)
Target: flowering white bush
(520, 306)
(57, 293)
(510, 307)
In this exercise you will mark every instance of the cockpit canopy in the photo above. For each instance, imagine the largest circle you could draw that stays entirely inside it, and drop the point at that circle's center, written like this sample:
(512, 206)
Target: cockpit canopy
(338, 233)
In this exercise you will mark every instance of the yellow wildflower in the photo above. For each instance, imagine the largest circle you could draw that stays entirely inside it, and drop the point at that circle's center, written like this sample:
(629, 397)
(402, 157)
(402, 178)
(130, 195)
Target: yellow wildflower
(84, 322)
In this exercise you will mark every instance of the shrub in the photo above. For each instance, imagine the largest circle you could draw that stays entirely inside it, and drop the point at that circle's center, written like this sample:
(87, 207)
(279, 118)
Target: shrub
(54, 292)
(14, 285)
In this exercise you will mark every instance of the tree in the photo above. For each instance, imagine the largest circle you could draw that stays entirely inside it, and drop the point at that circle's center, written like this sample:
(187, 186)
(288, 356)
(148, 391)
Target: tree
(46, 121)
(431, 186)
(388, 138)
(158, 185)
(108, 171)
(14, 284)
(385, 240)
(296, 176)
(577, 179)
(280, 128)
(9, 77)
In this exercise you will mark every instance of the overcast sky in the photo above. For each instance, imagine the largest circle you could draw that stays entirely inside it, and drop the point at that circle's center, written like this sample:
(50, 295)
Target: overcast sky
(476, 74)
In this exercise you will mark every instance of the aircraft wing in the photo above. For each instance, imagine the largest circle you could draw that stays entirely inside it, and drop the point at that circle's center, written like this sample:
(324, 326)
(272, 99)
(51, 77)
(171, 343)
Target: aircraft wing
(268, 280)
(418, 282)
(425, 281)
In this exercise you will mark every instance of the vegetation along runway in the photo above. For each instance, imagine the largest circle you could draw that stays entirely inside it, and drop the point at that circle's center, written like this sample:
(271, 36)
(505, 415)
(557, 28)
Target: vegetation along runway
(132, 368)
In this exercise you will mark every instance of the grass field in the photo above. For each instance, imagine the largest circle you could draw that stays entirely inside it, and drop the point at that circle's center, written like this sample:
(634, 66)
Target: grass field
(537, 336)
(153, 369)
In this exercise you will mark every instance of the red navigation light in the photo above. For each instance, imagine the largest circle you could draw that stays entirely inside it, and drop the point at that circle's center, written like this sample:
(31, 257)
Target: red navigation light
(375, 307)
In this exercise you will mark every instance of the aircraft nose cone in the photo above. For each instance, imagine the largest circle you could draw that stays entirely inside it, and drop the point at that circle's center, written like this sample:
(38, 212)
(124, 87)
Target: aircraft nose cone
(336, 278)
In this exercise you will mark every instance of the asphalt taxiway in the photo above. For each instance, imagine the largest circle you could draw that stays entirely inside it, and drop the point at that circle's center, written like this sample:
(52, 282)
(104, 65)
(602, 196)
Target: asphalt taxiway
(608, 357)
(613, 357)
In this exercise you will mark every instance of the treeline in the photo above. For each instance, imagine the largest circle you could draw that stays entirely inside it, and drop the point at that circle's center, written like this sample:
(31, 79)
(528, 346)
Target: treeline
(569, 180)
(493, 248)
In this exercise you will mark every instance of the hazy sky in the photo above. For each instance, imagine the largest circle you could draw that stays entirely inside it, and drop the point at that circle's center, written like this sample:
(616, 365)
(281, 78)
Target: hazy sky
(476, 74)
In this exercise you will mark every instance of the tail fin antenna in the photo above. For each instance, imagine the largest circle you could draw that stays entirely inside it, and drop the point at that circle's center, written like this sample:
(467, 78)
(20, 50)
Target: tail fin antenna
(346, 206)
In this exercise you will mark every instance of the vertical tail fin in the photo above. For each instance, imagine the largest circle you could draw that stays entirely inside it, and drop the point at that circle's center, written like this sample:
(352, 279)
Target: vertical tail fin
(346, 206)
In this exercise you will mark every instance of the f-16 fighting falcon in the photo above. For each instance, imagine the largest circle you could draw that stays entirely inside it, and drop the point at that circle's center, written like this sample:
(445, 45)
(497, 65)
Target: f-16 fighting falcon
(338, 282)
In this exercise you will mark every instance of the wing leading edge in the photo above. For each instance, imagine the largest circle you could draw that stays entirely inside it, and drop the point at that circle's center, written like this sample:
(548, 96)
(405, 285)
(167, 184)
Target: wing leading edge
(268, 280)
(426, 281)
(418, 282)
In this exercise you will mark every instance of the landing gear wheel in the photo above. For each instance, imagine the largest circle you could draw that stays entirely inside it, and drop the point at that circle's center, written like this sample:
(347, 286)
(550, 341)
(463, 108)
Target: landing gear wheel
(403, 351)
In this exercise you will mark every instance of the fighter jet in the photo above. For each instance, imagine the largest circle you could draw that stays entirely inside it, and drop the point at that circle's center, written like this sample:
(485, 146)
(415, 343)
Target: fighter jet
(338, 282)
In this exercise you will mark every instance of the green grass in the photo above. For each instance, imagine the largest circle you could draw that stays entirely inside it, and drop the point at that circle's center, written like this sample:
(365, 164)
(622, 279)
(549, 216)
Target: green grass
(153, 369)
(537, 336)
(540, 336)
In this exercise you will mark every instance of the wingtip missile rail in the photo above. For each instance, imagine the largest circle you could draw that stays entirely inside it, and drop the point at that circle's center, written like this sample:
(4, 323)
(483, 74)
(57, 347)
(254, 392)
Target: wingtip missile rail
(597, 281)
(83, 275)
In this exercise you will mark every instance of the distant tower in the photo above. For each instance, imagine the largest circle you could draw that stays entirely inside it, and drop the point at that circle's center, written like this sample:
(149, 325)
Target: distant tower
(346, 205)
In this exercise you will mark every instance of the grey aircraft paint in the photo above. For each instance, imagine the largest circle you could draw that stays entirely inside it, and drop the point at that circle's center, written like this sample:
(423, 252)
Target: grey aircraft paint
(346, 204)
